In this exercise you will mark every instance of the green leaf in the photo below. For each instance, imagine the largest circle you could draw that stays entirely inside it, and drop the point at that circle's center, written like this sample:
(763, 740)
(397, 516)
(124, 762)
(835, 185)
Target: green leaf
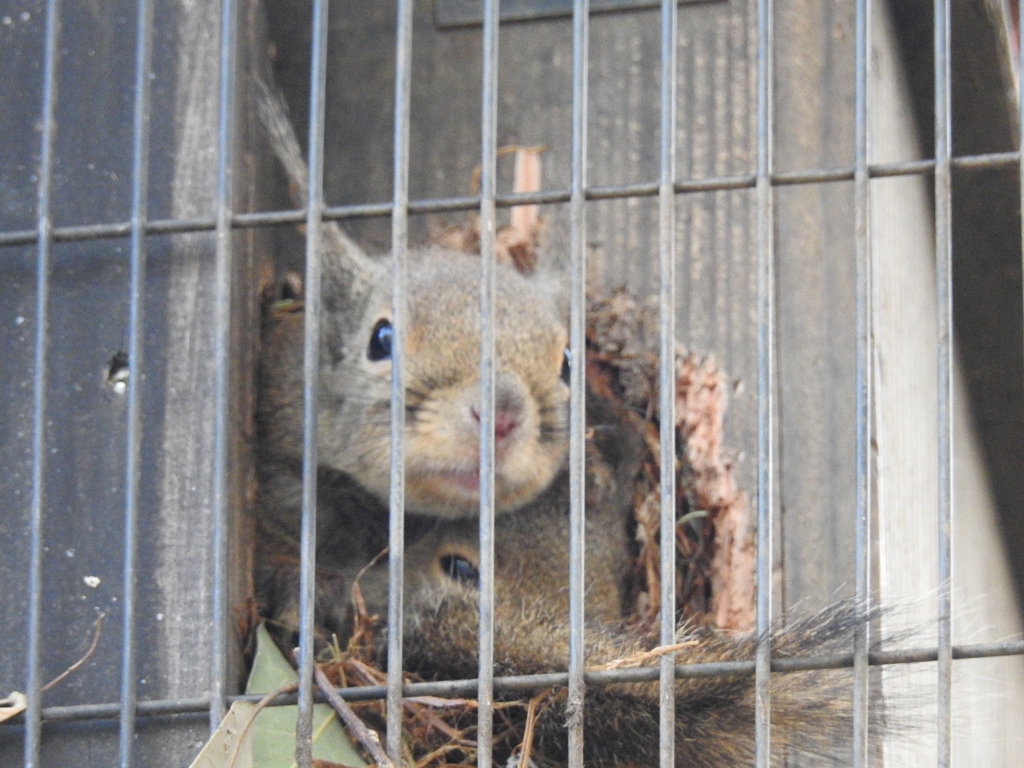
(270, 740)
(274, 729)
(270, 670)
(221, 746)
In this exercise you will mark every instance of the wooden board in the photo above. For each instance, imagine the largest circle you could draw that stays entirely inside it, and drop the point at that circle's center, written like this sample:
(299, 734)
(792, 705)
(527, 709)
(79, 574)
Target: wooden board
(84, 496)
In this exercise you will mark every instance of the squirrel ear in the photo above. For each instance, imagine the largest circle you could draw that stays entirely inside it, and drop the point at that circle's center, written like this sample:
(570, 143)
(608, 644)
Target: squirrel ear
(347, 270)
(344, 262)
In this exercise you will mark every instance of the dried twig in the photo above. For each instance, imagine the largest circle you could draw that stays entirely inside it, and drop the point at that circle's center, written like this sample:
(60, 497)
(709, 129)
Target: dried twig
(13, 704)
(97, 625)
(531, 719)
(638, 659)
(366, 737)
(16, 702)
(439, 752)
(286, 688)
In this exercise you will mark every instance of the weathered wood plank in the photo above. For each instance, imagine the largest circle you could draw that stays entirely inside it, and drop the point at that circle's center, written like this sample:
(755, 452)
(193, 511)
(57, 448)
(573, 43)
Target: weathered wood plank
(86, 427)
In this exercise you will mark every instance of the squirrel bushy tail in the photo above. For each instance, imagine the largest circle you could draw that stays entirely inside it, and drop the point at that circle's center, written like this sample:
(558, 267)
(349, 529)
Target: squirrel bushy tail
(812, 712)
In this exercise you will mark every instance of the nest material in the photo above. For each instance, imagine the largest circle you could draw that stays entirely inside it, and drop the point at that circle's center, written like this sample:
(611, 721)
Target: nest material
(715, 559)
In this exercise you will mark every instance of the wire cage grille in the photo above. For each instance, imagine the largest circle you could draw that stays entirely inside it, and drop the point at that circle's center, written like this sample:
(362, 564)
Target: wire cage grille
(229, 226)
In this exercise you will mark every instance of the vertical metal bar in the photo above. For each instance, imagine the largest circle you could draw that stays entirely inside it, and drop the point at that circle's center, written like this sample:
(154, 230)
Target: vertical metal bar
(222, 357)
(137, 291)
(311, 388)
(944, 301)
(1020, 123)
(862, 223)
(399, 248)
(765, 376)
(488, 163)
(44, 228)
(577, 377)
(667, 386)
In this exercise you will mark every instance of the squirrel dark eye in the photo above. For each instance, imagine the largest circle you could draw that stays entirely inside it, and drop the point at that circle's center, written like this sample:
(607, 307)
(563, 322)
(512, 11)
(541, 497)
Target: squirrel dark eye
(380, 341)
(461, 570)
(566, 365)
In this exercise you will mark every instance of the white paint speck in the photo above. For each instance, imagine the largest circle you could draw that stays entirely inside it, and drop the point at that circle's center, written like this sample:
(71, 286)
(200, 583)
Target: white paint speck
(159, 617)
(69, 553)
(19, 320)
(91, 581)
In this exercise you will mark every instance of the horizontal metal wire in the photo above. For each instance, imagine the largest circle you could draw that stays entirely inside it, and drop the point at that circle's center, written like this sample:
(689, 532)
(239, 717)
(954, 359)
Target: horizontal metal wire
(508, 200)
(530, 683)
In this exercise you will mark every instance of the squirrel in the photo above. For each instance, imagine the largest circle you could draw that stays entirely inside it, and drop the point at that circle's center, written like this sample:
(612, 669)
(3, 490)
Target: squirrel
(442, 395)
(442, 422)
(811, 712)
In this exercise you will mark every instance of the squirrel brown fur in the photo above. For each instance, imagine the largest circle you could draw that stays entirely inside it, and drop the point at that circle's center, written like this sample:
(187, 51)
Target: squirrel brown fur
(442, 432)
(811, 712)
(441, 354)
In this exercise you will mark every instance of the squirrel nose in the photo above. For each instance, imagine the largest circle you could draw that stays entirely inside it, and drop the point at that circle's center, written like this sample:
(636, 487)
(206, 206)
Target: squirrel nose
(509, 407)
(505, 421)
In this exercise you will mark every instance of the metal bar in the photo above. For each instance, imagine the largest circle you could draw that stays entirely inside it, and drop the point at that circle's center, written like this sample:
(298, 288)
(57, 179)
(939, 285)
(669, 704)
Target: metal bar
(944, 306)
(905, 168)
(136, 315)
(44, 226)
(311, 388)
(488, 187)
(527, 683)
(667, 380)
(985, 160)
(464, 13)
(222, 358)
(102, 231)
(508, 199)
(863, 300)
(399, 249)
(577, 378)
(765, 373)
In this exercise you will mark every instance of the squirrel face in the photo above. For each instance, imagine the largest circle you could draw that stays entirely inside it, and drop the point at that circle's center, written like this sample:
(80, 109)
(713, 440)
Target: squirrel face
(442, 354)
(442, 358)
